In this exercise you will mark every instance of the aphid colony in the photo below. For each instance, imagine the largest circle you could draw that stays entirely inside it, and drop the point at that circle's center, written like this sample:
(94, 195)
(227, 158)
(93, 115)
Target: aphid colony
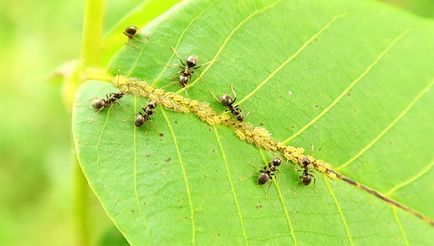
(184, 76)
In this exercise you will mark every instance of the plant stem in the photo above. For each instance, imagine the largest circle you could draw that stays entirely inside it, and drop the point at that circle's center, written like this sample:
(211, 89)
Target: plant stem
(81, 200)
(92, 33)
(90, 57)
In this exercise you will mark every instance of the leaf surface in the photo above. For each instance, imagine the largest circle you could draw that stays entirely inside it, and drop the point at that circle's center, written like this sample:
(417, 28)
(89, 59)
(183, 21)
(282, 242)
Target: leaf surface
(353, 79)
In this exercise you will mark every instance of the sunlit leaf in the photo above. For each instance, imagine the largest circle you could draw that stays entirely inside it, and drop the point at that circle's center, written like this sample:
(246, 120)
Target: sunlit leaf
(351, 79)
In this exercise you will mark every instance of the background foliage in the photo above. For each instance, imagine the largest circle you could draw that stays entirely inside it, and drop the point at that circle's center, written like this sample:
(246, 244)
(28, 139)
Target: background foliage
(36, 174)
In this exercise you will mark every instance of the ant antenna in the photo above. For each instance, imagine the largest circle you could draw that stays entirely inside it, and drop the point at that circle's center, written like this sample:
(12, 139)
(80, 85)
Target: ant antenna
(216, 98)
(233, 92)
(177, 55)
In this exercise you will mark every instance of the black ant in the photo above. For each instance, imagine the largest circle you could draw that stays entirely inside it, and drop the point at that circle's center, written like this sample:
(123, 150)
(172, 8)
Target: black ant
(228, 101)
(269, 171)
(132, 32)
(141, 118)
(101, 103)
(187, 68)
(306, 177)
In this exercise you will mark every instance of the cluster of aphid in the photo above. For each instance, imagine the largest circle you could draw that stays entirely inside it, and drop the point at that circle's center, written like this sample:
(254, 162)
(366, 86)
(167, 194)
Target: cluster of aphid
(270, 170)
(184, 75)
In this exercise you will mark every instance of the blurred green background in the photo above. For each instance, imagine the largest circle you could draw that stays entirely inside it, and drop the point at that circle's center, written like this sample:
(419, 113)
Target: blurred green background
(37, 184)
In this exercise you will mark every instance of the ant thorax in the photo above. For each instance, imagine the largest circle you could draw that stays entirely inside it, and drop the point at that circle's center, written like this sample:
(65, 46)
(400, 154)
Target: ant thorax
(263, 178)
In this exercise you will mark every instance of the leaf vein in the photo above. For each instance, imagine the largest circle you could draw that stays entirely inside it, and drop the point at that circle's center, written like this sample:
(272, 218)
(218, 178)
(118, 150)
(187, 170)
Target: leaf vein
(179, 40)
(390, 126)
(401, 228)
(234, 194)
(184, 174)
(291, 58)
(344, 221)
(98, 143)
(350, 86)
(136, 192)
(411, 180)
(227, 39)
(285, 209)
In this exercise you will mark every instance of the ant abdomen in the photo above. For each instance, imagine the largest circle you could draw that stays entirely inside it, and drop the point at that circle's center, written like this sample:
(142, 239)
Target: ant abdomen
(98, 103)
(140, 120)
(263, 178)
(226, 100)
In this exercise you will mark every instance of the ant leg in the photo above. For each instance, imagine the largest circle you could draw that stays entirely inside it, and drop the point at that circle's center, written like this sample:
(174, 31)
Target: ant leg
(185, 91)
(268, 189)
(247, 176)
(251, 174)
(313, 177)
(141, 35)
(138, 40)
(152, 124)
(203, 65)
(132, 45)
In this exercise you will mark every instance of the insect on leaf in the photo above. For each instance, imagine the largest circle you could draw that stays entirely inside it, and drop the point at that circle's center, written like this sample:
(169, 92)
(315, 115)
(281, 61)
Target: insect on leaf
(353, 79)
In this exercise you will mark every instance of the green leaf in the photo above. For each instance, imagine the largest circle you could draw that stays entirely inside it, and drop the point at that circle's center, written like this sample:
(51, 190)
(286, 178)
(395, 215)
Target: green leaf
(352, 78)
(141, 15)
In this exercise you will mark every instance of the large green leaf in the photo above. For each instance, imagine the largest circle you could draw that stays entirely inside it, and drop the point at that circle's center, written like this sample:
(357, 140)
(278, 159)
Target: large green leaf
(141, 15)
(351, 78)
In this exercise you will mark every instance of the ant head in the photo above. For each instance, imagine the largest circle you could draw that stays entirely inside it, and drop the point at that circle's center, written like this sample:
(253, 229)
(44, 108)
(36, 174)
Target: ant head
(152, 105)
(276, 161)
(240, 117)
(192, 61)
(263, 178)
(98, 103)
(226, 100)
(305, 161)
(130, 31)
(140, 120)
